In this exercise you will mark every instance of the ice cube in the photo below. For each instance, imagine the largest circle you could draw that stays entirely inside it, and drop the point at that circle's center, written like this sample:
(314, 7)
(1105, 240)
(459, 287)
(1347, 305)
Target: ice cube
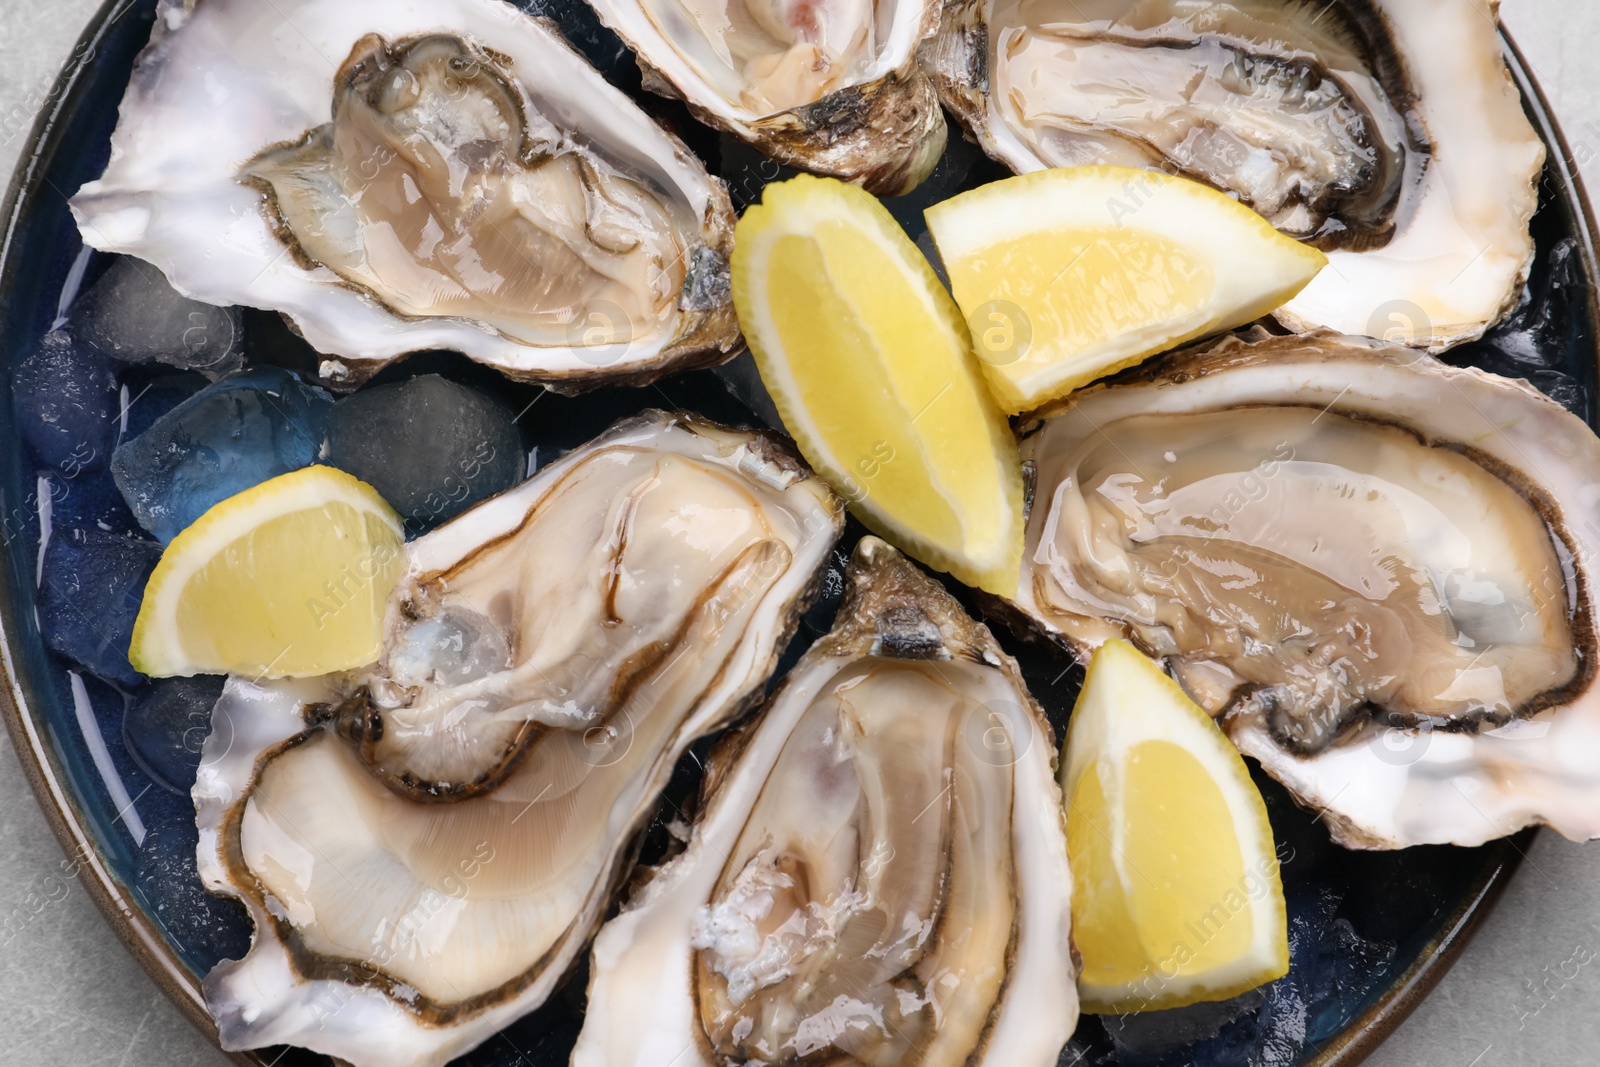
(132, 314)
(1089, 1046)
(232, 435)
(1275, 1034)
(91, 586)
(207, 928)
(148, 399)
(1148, 1037)
(89, 501)
(166, 728)
(1347, 966)
(430, 446)
(66, 405)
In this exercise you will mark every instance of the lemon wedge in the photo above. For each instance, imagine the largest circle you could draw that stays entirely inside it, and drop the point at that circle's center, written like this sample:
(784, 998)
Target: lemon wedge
(287, 579)
(869, 363)
(1177, 897)
(1067, 275)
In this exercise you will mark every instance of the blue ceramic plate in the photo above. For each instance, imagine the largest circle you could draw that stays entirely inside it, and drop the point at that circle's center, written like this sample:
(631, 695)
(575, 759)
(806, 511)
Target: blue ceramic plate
(1370, 933)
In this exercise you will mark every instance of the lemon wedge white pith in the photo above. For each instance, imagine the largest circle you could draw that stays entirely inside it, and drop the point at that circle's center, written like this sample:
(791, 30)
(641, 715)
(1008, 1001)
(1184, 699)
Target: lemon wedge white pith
(287, 579)
(869, 363)
(1177, 896)
(1068, 275)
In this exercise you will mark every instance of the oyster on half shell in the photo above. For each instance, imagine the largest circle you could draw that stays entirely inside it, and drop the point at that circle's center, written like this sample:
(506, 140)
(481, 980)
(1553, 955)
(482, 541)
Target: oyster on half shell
(1386, 132)
(880, 873)
(1379, 571)
(426, 846)
(829, 86)
(401, 177)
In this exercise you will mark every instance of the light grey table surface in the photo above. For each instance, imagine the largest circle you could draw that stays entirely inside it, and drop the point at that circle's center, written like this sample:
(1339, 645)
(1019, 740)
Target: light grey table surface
(71, 995)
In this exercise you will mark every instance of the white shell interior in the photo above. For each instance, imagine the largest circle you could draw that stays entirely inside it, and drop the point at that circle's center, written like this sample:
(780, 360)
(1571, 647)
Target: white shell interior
(1386, 787)
(1459, 260)
(1462, 248)
(642, 1009)
(492, 926)
(906, 21)
(232, 77)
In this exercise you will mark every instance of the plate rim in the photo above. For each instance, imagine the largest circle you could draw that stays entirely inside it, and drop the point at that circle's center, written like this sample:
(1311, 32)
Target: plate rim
(45, 779)
(134, 930)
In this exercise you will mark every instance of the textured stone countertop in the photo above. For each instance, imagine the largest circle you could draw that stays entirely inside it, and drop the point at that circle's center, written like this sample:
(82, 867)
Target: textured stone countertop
(71, 996)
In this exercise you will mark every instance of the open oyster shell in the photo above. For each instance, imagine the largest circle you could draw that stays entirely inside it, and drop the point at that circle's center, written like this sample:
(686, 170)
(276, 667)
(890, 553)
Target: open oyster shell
(426, 846)
(880, 873)
(402, 177)
(1377, 570)
(1387, 132)
(833, 89)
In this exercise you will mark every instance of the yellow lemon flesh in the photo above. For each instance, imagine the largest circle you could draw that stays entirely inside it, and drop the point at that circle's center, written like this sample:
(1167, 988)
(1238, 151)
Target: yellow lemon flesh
(287, 579)
(1177, 897)
(869, 363)
(1068, 275)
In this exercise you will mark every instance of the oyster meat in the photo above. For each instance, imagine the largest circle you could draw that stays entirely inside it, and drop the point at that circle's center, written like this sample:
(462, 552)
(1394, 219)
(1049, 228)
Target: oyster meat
(1386, 132)
(395, 178)
(880, 874)
(426, 846)
(1376, 569)
(833, 88)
